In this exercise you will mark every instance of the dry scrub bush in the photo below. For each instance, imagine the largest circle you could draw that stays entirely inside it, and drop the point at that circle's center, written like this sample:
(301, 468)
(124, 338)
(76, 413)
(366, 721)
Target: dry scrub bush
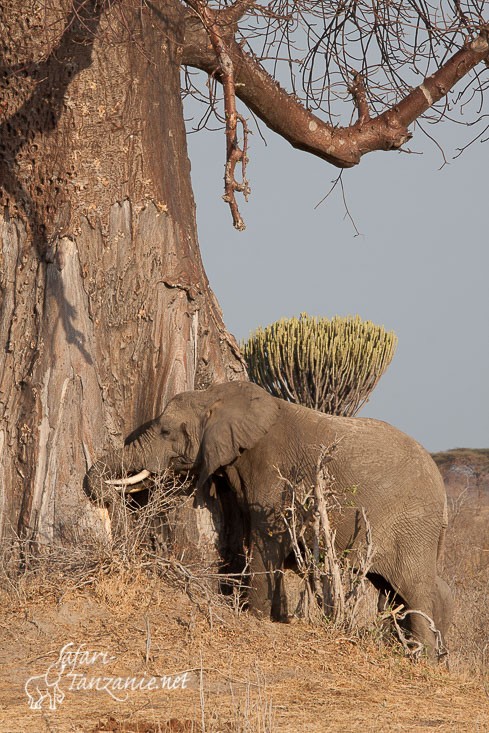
(110, 562)
(333, 587)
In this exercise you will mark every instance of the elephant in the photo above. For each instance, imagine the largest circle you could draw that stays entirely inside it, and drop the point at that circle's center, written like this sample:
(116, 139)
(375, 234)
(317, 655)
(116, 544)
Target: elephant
(256, 445)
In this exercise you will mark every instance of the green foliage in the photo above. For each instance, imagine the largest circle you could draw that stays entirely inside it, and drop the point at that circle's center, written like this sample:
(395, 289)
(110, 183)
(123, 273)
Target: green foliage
(330, 365)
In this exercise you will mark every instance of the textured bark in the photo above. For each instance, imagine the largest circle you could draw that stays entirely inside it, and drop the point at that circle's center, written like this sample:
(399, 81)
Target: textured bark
(105, 309)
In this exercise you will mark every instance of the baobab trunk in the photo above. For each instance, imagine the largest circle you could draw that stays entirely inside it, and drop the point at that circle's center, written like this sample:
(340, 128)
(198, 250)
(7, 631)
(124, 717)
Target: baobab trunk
(105, 308)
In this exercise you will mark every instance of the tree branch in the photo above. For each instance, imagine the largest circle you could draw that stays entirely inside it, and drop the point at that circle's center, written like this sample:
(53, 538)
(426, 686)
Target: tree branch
(341, 146)
(232, 14)
(437, 86)
(214, 24)
(358, 92)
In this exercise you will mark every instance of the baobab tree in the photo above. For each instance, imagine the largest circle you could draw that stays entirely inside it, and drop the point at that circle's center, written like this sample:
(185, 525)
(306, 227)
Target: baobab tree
(105, 309)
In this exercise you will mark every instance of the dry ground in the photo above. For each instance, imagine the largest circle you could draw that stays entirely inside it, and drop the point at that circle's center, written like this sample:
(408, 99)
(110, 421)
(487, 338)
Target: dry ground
(245, 674)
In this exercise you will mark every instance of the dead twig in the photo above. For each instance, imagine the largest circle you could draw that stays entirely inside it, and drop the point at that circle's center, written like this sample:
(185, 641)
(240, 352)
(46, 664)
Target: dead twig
(412, 647)
(359, 94)
(333, 590)
(331, 582)
(214, 24)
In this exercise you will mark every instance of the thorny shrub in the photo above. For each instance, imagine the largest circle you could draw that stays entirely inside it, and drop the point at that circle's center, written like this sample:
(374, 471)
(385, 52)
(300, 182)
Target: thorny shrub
(332, 587)
(335, 586)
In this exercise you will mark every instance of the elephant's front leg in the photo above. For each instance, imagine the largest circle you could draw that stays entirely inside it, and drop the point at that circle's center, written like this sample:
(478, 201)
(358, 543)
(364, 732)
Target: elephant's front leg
(266, 563)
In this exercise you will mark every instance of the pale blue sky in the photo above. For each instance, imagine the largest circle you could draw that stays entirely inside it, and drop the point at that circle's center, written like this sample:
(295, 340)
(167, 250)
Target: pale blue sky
(419, 267)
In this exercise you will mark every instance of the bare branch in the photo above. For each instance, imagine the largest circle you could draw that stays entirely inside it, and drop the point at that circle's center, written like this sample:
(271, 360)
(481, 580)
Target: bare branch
(232, 14)
(341, 146)
(332, 586)
(412, 647)
(358, 92)
(211, 21)
(323, 485)
(437, 86)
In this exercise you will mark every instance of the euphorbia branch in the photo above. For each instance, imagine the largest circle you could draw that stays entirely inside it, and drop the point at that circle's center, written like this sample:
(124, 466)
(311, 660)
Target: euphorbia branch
(341, 146)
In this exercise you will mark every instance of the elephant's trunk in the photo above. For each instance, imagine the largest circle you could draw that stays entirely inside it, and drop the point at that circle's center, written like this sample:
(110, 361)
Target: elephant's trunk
(112, 469)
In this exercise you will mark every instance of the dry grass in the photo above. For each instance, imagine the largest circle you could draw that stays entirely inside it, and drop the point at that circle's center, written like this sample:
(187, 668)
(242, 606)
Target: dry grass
(139, 548)
(245, 675)
(115, 593)
(466, 475)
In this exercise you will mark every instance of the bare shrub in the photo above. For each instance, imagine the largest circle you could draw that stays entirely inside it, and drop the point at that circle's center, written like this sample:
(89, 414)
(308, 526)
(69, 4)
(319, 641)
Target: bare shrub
(139, 545)
(334, 586)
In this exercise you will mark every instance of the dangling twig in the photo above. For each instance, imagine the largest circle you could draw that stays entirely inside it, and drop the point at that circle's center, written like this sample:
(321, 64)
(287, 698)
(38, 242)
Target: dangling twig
(234, 153)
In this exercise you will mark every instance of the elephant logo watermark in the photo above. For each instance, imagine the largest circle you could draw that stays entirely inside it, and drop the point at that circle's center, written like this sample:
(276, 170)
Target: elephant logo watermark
(74, 671)
(44, 688)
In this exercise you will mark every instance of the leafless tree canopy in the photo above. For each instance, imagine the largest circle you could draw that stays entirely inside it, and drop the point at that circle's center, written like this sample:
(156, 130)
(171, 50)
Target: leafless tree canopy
(391, 44)
(357, 73)
(317, 48)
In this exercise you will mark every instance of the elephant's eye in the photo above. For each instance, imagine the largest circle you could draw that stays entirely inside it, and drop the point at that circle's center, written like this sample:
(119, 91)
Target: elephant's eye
(165, 432)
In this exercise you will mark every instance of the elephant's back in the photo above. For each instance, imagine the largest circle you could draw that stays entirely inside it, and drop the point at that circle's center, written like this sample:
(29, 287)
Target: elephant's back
(374, 455)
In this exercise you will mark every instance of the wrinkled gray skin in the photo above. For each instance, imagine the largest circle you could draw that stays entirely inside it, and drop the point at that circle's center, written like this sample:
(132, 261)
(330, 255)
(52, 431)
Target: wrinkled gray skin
(237, 430)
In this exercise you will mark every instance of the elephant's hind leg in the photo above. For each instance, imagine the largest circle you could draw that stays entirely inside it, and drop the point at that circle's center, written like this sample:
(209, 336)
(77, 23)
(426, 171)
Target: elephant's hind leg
(443, 606)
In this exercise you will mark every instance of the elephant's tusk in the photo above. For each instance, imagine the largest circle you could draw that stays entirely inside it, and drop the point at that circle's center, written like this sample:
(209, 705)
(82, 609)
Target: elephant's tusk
(134, 490)
(130, 480)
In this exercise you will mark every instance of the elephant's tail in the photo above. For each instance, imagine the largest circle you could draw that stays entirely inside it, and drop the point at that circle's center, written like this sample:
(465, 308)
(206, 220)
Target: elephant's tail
(443, 531)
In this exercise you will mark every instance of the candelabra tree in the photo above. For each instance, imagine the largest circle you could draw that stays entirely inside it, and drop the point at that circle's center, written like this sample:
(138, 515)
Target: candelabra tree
(330, 365)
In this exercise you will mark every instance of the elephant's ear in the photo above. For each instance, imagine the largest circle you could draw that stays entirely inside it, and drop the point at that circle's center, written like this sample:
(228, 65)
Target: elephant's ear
(242, 414)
